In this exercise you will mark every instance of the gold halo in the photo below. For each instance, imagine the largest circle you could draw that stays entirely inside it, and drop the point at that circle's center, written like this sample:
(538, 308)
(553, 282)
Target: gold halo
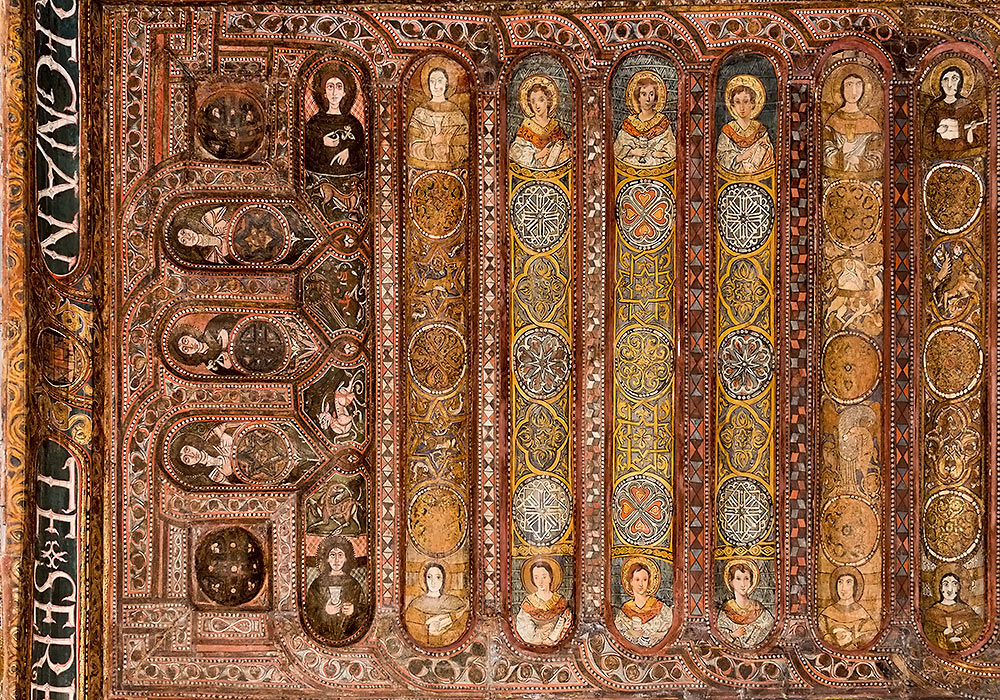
(871, 101)
(661, 91)
(933, 79)
(750, 81)
(654, 574)
(754, 573)
(557, 574)
(451, 69)
(859, 582)
(964, 580)
(530, 82)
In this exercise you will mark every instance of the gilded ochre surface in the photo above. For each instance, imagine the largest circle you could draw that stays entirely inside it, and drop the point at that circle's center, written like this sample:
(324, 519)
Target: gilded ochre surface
(597, 352)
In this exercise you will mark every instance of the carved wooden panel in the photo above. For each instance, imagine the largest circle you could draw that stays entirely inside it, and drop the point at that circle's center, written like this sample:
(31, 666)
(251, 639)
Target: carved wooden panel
(387, 351)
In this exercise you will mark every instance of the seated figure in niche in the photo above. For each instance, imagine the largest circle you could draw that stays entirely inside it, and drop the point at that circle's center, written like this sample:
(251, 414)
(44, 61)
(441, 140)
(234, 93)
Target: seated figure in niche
(950, 623)
(852, 139)
(334, 138)
(544, 618)
(540, 142)
(211, 244)
(207, 456)
(646, 139)
(743, 621)
(209, 347)
(644, 620)
(335, 602)
(436, 618)
(438, 133)
(846, 624)
(953, 124)
(744, 144)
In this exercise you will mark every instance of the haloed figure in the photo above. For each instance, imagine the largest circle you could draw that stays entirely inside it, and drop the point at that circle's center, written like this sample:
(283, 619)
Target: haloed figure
(852, 139)
(334, 139)
(953, 124)
(438, 132)
(540, 142)
(951, 623)
(645, 139)
(645, 619)
(742, 620)
(334, 601)
(544, 618)
(744, 145)
(846, 624)
(436, 618)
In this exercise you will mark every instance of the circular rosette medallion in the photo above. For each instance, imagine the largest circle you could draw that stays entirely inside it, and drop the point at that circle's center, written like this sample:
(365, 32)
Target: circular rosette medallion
(645, 213)
(437, 520)
(746, 216)
(745, 511)
(542, 362)
(229, 566)
(952, 524)
(437, 203)
(231, 125)
(850, 367)
(540, 215)
(849, 530)
(263, 454)
(953, 361)
(746, 364)
(260, 235)
(644, 362)
(953, 196)
(852, 212)
(542, 510)
(642, 510)
(260, 346)
(437, 358)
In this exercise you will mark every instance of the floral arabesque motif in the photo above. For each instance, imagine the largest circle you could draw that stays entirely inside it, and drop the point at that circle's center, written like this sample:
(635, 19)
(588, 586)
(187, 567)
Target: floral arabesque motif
(645, 362)
(542, 362)
(746, 364)
(743, 290)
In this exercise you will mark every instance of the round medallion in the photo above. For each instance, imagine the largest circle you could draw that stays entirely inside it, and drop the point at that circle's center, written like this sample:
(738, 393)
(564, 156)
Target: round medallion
(259, 235)
(746, 216)
(644, 362)
(437, 203)
(231, 125)
(542, 362)
(642, 510)
(437, 520)
(262, 454)
(437, 358)
(952, 522)
(645, 213)
(849, 530)
(259, 346)
(850, 367)
(746, 364)
(745, 511)
(852, 212)
(953, 361)
(542, 510)
(229, 566)
(953, 196)
(540, 215)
